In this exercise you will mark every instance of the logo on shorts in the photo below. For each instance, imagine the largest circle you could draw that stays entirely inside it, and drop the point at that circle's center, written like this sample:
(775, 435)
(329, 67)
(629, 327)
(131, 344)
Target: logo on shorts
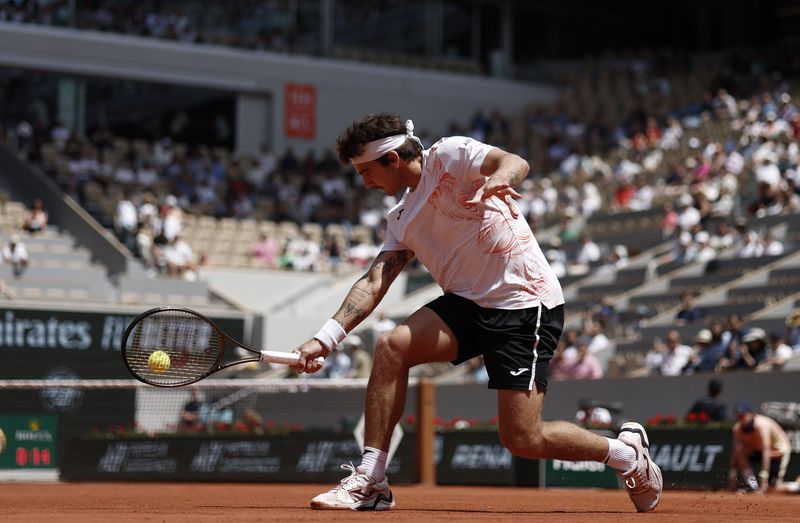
(518, 372)
(400, 213)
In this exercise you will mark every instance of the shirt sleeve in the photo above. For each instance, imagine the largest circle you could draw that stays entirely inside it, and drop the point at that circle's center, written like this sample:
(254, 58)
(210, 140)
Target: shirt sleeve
(462, 157)
(391, 243)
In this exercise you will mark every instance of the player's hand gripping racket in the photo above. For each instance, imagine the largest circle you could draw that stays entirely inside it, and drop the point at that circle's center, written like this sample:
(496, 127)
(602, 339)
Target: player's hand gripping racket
(170, 347)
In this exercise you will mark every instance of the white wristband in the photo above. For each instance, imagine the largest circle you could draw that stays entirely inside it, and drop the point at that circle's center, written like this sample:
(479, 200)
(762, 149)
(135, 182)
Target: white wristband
(331, 334)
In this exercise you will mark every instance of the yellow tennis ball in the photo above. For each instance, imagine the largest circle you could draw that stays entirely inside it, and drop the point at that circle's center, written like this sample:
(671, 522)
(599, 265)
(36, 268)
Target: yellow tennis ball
(158, 361)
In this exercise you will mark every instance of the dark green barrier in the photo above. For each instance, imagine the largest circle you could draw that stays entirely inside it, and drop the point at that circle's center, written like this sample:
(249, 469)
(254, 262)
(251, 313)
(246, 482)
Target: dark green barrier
(559, 473)
(57, 344)
(305, 457)
(473, 458)
(692, 458)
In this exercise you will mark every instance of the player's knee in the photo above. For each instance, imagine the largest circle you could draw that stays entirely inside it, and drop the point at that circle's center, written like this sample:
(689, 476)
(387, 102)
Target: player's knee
(527, 442)
(389, 350)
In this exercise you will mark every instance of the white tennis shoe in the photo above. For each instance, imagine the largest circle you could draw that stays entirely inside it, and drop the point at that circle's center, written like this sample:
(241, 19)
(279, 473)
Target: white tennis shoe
(357, 491)
(643, 481)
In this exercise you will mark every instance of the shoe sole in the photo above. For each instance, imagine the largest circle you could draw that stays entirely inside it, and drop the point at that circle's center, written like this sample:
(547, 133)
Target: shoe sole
(380, 503)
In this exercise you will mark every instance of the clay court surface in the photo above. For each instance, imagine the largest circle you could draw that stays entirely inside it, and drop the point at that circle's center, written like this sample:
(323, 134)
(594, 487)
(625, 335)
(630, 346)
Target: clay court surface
(117, 502)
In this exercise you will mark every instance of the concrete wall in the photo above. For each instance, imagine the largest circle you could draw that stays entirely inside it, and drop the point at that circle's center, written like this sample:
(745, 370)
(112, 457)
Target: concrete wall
(345, 90)
(641, 397)
(294, 305)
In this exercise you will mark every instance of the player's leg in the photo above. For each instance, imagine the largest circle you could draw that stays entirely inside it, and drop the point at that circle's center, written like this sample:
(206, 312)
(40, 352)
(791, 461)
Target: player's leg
(517, 366)
(422, 338)
(524, 433)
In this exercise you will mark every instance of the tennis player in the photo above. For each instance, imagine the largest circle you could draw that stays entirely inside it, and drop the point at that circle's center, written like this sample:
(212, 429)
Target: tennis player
(501, 300)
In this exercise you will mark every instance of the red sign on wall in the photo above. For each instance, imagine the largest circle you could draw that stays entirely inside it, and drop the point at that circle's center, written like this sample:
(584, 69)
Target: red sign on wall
(300, 111)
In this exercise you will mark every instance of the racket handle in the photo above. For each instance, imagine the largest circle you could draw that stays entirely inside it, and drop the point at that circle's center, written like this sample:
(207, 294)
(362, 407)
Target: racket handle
(284, 358)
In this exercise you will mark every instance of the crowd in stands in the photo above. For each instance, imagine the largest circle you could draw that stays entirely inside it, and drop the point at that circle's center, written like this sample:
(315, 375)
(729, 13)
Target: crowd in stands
(726, 345)
(705, 167)
(253, 25)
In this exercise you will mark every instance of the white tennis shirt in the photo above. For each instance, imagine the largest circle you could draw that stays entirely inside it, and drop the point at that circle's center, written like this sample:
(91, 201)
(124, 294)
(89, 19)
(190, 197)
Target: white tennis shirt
(479, 252)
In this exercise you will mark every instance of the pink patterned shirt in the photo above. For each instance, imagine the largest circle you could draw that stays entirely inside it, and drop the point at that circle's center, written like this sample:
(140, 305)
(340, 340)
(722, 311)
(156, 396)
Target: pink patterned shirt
(479, 252)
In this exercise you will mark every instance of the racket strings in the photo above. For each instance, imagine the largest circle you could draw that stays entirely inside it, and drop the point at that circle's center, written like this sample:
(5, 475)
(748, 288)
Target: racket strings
(193, 346)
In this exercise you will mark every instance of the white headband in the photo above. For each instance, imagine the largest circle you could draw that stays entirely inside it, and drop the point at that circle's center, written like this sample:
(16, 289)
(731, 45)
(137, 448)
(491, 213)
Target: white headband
(376, 149)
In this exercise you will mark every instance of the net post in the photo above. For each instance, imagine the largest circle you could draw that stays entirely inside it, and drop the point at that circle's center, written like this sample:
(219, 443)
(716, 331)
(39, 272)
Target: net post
(426, 432)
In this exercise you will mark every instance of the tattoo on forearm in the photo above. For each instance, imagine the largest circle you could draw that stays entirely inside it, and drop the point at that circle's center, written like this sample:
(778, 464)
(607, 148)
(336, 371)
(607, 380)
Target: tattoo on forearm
(367, 292)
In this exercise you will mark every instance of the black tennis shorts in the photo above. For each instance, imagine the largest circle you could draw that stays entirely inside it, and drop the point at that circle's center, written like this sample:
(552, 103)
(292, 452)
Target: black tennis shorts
(517, 345)
(774, 467)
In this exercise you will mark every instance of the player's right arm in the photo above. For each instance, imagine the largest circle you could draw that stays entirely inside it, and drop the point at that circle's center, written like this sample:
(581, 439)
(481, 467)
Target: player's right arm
(365, 294)
(766, 457)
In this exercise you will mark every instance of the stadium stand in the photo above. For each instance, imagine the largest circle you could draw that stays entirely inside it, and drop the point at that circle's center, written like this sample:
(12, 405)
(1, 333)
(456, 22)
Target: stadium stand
(637, 155)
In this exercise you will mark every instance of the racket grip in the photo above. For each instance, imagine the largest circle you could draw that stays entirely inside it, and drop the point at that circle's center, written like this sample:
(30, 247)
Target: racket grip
(284, 358)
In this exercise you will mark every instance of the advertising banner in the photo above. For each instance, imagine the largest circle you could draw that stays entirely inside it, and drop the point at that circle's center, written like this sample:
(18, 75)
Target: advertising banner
(560, 473)
(692, 458)
(299, 457)
(28, 442)
(478, 458)
(300, 111)
(55, 344)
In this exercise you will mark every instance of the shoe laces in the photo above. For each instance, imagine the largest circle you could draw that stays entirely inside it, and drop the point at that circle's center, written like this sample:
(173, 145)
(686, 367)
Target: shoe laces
(354, 480)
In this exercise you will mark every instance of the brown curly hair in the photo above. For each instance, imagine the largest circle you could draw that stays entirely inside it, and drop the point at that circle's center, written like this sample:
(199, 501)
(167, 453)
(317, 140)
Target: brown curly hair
(374, 127)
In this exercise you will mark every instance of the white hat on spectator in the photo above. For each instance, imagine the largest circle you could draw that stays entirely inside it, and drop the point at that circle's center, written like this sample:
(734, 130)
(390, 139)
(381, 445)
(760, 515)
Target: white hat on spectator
(171, 200)
(754, 334)
(14, 238)
(685, 200)
(701, 237)
(704, 336)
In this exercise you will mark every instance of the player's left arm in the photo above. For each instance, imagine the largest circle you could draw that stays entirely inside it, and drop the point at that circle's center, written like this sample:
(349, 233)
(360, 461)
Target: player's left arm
(504, 171)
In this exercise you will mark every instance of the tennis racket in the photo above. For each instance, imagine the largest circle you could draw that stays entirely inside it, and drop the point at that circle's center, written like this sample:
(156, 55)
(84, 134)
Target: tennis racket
(171, 347)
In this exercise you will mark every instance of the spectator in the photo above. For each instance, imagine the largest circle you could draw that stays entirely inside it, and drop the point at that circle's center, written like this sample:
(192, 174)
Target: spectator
(707, 354)
(592, 415)
(669, 220)
(754, 349)
(16, 253)
(338, 364)
(598, 340)
(360, 359)
(588, 252)
(584, 366)
(670, 358)
(126, 221)
(190, 415)
(758, 443)
(170, 221)
(689, 313)
(35, 217)
(179, 259)
(779, 352)
(710, 405)
(732, 358)
(266, 250)
(771, 246)
(793, 329)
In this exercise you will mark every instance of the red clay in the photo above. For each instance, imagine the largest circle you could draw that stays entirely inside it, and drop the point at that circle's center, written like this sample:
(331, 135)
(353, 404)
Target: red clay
(234, 502)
